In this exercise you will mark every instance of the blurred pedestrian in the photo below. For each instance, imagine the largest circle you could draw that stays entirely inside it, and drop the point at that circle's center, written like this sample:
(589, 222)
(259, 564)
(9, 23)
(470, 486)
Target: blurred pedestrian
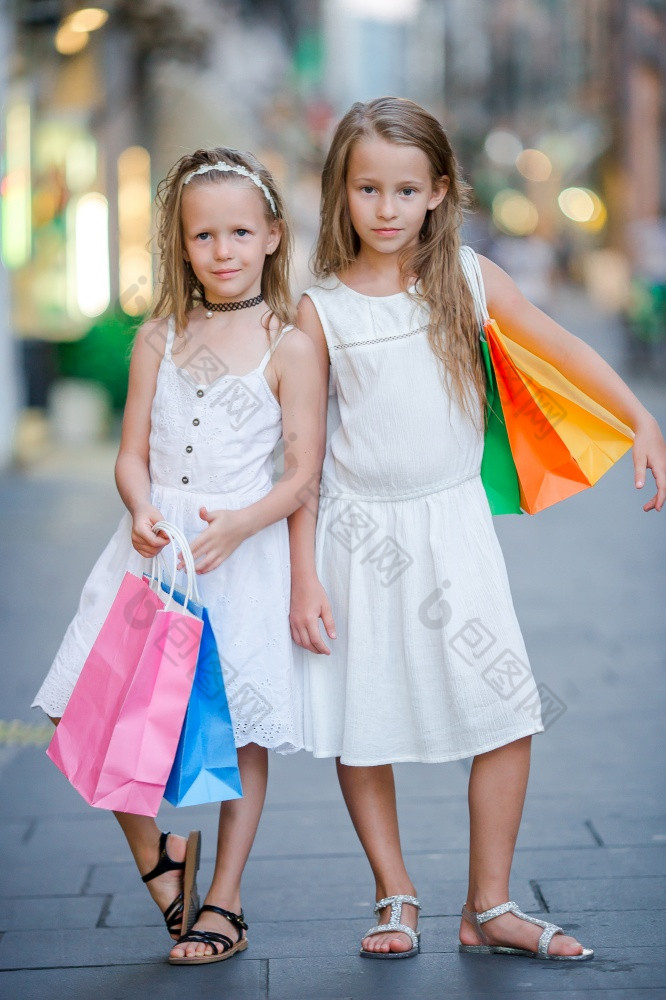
(217, 376)
(404, 516)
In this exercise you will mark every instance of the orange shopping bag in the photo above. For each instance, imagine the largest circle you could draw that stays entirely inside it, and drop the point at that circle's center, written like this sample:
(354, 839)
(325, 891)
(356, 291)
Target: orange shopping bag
(562, 441)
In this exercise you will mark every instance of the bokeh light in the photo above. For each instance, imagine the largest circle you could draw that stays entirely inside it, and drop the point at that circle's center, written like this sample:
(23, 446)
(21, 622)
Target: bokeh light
(583, 206)
(87, 19)
(514, 213)
(68, 42)
(91, 254)
(134, 220)
(382, 10)
(16, 195)
(503, 147)
(534, 165)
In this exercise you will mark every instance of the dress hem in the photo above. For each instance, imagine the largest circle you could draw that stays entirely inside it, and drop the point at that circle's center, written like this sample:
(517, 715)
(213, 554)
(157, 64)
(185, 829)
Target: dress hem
(282, 748)
(423, 760)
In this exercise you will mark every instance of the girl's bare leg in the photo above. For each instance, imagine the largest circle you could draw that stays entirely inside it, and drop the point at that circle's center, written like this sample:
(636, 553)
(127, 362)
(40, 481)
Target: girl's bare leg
(497, 786)
(239, 820)
(369, 793)
(143, 837)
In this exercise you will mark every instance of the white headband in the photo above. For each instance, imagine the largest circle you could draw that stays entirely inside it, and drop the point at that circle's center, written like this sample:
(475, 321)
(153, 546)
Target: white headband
(232, 168)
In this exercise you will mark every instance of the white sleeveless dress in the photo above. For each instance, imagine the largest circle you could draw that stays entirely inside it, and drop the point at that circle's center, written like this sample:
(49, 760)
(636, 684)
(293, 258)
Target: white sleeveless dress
(429, 663)
(211, 444)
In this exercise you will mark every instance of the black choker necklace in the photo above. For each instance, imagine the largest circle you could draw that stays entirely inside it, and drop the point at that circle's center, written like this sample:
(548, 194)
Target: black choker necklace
(223, 307)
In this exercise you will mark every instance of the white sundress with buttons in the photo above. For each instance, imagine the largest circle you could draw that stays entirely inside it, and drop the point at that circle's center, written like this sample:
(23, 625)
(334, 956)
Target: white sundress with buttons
(211, 445)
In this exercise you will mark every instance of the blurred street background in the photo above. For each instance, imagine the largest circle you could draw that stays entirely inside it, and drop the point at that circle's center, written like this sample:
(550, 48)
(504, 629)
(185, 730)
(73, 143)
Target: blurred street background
(556, 109)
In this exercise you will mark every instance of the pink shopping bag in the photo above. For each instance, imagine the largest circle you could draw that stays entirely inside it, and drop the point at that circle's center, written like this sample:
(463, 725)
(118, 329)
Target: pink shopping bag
(118, 735)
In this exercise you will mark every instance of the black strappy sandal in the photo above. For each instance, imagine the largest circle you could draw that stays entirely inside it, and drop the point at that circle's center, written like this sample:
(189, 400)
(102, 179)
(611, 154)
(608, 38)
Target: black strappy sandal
(223, 945)
(181, 912)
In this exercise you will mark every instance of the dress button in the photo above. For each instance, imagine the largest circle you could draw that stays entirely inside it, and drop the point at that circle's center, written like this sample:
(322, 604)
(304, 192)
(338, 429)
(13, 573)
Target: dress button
(189, 448)
(200, 392)
(185, 480)
(196, 421)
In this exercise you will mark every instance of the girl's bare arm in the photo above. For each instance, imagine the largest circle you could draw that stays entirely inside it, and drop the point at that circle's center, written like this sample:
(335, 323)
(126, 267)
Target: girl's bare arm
(309, 602)
(132, 475)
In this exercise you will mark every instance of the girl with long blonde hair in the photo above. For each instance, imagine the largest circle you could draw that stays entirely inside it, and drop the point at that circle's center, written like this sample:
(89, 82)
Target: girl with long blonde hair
(217, 377)
(403, 567)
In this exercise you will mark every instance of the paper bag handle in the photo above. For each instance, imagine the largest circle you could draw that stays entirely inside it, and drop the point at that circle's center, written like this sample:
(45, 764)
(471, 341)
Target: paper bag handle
(469, 263)
(176, 536)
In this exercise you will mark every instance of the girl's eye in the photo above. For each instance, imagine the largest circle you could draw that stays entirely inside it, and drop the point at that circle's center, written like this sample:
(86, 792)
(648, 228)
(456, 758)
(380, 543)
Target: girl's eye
(242, 232)
(367, 189)
(202, 236)
(408, 190)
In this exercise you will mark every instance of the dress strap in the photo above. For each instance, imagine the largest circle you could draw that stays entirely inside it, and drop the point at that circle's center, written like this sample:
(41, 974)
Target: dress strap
(470, 266)
(171, 332)
(271, 350)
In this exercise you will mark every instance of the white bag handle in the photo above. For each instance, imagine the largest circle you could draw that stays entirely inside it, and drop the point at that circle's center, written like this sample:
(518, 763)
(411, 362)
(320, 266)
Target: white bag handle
(177, 537)
(472, 271)
(156, 569)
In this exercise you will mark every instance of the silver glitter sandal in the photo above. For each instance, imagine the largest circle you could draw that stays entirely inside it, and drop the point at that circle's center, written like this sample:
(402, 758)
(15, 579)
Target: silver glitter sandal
(394, 924)
(477, 919)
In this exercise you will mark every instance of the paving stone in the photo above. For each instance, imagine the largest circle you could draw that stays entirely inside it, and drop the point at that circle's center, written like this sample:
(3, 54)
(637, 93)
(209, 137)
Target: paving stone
(309, 829)
(38, 788)
(613, 928)
(233, 979)
(96, 834)
(13, 832)
(132, 910)
(576, 895)
(45, 912)
(611, 862)
(101, 946)
(463, 975)
(296, 778)
(65, 879)
(322, 828)
(622, 828)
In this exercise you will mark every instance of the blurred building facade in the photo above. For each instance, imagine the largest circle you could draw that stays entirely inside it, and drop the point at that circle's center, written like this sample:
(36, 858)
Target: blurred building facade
(556, 109)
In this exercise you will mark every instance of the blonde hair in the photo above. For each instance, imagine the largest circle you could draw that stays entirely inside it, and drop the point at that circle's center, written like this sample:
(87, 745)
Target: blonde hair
(453, 330)
(179, 290)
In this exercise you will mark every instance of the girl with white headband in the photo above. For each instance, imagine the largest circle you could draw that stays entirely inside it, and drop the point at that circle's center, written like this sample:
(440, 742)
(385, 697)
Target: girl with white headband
(218, 376)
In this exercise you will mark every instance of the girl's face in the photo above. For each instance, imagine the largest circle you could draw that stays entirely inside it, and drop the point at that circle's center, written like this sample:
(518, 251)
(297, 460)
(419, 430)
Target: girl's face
(226, 238)
(389, 191)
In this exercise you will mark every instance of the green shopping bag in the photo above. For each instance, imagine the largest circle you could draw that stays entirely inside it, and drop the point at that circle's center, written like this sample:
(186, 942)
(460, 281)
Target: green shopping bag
(498, 470)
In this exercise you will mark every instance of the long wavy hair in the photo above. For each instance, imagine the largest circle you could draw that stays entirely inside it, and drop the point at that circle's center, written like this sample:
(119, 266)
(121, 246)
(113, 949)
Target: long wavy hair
(179, 289)
(453, 330)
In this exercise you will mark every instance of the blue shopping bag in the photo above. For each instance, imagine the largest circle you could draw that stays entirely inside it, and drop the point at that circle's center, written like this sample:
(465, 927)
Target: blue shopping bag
(205, 768)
